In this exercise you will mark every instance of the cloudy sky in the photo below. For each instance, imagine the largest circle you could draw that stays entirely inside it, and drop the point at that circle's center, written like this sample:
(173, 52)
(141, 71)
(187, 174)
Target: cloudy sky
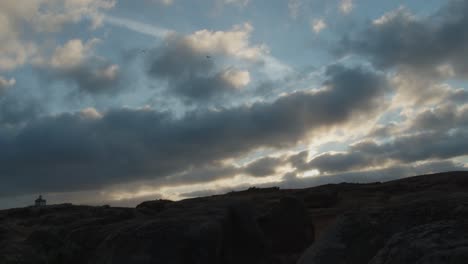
(119, 101)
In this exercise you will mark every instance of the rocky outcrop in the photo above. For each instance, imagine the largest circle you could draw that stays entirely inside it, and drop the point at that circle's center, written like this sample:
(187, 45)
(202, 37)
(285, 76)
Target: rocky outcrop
(416, 220)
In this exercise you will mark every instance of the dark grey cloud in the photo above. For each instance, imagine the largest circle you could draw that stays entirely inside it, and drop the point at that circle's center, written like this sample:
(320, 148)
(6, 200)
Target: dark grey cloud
(202, 88)
(93, 76)
(263, 167)
(401, 39)
(78, 152)
(343, 162)
(459, 96)
(290, 180)
(384, 131)
(372, 175)
(441, 118)
(438, 119)
(201, 174)
(435, 134)
(14, 110)
(298, 161)
(190, 74)
(401, 150)
(177, 57)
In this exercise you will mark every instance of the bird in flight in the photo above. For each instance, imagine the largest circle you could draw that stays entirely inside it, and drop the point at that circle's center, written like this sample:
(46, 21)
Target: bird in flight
(208, 56)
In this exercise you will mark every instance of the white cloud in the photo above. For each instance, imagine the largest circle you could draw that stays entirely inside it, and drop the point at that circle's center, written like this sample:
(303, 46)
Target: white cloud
(75, 61)
(111, 72)
(60, 12)
(233, 43)
(237, 78)
(19, 18)
(13, 51)
(72, 53)
(318, 25)
(392, 15)
(346, 6)
(90, 113)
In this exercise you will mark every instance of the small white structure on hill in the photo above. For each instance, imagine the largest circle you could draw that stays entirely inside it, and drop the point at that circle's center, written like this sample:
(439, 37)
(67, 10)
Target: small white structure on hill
(40, 202)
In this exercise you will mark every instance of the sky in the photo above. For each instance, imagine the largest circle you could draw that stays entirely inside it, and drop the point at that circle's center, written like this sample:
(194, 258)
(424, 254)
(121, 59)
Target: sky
(118, 101)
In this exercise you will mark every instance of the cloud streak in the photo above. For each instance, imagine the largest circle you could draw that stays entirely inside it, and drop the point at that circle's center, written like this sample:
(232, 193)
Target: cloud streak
(139, 27)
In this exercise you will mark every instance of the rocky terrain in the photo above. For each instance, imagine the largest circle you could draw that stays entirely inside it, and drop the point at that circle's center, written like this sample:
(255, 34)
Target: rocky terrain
(420, 219)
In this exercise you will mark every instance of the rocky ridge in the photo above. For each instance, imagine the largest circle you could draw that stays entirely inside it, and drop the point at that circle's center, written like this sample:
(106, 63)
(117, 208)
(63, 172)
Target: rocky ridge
(421, 219)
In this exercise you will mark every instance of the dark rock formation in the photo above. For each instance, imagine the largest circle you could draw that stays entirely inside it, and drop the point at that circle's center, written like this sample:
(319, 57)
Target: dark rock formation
(415, 220)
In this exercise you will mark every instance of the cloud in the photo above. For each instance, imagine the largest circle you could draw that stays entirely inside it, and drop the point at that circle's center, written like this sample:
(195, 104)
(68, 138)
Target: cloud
(16, 111)
(72, 53)
(341, 162)
(212, 65)
(6, 83)
(346, 6)
(64, 152)
(202, 174)
(263, 167)
(290, 180)
(189, 63)
(235, 43)
(318, 25)
(193, 76)
(373, 175)
(435, 44)
(203, 88)
(20, 20)
(405, 149)
(236, 78)
(441, 118)
(75, 62)
(419, 90)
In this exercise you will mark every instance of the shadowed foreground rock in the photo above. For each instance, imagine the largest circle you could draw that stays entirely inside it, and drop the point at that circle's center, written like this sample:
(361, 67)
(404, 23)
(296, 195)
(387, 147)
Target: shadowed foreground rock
(415, 220)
